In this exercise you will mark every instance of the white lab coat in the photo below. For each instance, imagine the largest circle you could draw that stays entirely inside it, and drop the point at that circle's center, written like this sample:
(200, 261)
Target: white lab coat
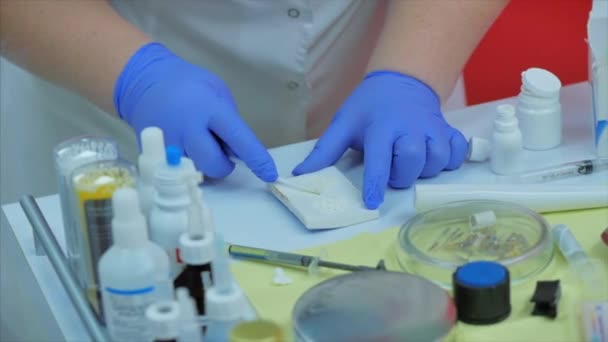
(289, 64)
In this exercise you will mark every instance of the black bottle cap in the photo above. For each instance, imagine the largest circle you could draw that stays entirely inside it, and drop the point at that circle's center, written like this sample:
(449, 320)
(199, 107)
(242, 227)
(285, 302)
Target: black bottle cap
(482, 292)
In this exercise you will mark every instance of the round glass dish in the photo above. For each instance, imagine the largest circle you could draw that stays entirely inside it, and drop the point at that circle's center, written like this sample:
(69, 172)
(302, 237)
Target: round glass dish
(374, 306)
(433, 244)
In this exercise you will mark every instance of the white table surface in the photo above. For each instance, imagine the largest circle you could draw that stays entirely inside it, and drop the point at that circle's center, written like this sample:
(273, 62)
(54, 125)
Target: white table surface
(247, 214)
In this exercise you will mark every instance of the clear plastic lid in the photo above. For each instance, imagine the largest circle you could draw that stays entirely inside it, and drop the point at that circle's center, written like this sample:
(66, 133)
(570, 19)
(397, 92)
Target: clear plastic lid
(374, 306)
(434, 243)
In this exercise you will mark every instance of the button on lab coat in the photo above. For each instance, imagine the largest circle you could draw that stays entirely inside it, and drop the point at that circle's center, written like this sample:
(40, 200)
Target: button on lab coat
(288, 63)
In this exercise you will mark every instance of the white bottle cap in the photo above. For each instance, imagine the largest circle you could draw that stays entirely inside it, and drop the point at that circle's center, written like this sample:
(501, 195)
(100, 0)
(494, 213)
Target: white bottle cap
(196, 248)
(482, 219)
(541, 82)
(479, 149)
(152, 152)
(128, 224)
(505, 120)
(226, 306)
(165, 319)
(505, 110)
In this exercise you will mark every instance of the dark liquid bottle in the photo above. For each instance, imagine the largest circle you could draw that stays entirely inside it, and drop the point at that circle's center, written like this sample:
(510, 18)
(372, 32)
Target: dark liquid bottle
(191, 278)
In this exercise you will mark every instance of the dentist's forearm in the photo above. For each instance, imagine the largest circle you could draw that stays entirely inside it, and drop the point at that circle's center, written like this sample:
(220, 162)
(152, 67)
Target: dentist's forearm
(433, 39)
(82, 45)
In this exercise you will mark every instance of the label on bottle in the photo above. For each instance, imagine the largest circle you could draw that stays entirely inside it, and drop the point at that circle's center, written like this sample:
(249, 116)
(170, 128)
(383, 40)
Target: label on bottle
(125, 312)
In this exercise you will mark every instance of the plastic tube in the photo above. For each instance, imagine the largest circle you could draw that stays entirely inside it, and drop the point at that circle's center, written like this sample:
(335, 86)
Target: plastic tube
(591, 272)
(539, 197)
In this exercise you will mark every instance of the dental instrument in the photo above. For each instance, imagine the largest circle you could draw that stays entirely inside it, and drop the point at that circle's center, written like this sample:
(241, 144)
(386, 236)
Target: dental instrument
(291, 259)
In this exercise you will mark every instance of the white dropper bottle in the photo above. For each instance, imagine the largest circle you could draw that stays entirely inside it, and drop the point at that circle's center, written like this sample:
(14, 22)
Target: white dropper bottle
(225, 303)
(507, 150)
(169, 214)
(152, 157)
(133, 273)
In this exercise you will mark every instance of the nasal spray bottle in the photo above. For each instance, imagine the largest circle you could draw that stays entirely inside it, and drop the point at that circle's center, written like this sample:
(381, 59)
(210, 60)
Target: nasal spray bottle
(196, 247)
(225, 302)
(169, 214)
(506, 155)
(133, 273)
(152, 158)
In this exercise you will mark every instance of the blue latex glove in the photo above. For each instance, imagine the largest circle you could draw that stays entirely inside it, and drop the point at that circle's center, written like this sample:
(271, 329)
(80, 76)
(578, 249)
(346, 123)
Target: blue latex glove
(396, 121)
(193, 107)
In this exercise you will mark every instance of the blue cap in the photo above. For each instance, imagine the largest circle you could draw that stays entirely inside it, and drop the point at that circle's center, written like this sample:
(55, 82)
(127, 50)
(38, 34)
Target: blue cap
(481, 274)
(174, 155)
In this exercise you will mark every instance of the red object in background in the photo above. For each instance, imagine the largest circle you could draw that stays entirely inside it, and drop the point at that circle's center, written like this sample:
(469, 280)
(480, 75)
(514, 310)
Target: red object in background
(548, 34)
(605, 236)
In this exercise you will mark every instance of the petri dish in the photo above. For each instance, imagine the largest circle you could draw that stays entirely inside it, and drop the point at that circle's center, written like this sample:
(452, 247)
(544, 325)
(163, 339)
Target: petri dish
(374, 306)
(434, 243)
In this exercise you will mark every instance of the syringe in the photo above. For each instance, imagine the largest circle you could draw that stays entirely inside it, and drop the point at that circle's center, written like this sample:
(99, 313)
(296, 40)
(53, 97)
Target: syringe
(291, 259)
(567, 170)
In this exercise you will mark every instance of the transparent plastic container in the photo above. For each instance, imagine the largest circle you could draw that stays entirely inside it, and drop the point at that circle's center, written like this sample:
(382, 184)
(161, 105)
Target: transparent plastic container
(374, 306)
(92, 186)
(68, 156)
(434, 243)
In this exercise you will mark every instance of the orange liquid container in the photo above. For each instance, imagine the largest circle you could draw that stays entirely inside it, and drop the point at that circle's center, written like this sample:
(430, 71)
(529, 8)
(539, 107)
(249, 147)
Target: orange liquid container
(93, 186)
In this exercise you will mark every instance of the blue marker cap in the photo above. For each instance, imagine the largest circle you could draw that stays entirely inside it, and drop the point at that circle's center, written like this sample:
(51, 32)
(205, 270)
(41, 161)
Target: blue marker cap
(174, 155)
(482, 292)
(481, 274)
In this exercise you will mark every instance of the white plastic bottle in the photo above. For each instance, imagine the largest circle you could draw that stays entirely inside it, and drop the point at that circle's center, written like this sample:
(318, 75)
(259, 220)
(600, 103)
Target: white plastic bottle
(506, 155)
(169, 214)
(133, 273)
(152, 158)
(539, 110)
(196, 249)
(225, 303)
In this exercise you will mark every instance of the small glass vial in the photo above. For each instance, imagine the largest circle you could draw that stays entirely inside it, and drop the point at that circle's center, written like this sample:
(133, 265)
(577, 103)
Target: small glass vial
(539, 110)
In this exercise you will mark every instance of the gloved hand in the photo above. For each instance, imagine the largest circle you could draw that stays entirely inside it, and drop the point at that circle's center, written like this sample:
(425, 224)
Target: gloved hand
(193, 107)
(396, 121)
